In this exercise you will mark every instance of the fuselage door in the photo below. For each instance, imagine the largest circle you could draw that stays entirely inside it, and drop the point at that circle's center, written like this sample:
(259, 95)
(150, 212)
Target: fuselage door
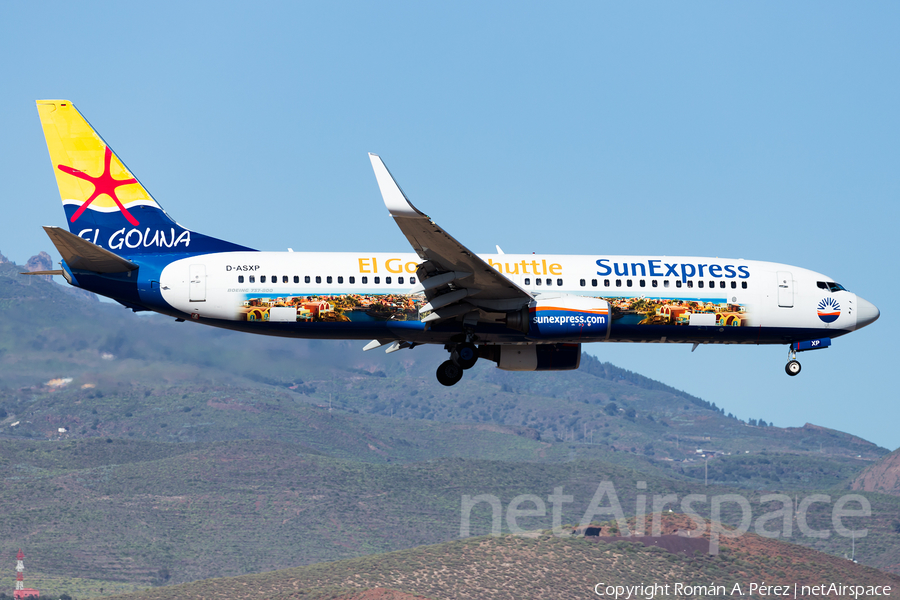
(785, 289)
(198, 283)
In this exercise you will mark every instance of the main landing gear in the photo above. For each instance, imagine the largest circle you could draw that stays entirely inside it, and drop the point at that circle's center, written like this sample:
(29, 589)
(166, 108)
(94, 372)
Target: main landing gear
(463, 356)
(793, 366)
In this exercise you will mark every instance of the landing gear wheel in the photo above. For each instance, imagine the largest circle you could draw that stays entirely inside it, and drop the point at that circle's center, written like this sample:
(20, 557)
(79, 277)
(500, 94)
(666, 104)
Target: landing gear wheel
(467, 355)
(449, 373)
(792, 368)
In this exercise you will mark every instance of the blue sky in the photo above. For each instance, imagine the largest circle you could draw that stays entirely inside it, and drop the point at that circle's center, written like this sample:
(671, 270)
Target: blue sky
(759, 130)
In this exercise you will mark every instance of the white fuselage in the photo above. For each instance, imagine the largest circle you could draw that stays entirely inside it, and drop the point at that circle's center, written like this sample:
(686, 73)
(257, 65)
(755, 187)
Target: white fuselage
(653, 298)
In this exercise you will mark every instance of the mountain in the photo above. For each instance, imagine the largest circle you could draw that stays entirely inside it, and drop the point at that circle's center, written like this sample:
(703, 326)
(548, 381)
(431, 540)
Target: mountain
(143, 451)
(150, 513)
(101, 371)
(543, 565)
(883, 476)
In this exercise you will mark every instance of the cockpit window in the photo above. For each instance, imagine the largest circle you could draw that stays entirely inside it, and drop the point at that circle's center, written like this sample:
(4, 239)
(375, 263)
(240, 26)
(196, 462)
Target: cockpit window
(831, 286)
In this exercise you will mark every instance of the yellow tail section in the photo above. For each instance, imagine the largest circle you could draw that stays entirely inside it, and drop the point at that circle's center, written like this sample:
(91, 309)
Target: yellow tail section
(89, 174)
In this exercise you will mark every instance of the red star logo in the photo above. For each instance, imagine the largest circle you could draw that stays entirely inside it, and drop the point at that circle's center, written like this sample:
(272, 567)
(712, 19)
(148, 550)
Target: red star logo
(105, 184)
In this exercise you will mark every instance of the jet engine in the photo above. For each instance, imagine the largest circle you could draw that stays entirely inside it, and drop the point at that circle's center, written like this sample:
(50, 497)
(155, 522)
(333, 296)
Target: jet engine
(533, 357)
(570, 318)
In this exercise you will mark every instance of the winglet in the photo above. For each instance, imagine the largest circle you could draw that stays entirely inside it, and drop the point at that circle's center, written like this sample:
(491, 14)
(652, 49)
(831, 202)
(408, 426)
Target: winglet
(394, 198)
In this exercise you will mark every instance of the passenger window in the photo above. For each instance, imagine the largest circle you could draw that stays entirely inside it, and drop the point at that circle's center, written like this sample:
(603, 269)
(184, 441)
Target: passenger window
(618, 283)
(655, 283)
(387, 280)
(734, 285)
(628, 283)
(744, 285)
(712, 284)
(528, 281)
(340, 279)
(643, 283)
(666, 283)
(721, 284)
(582, 282)
(296, 279)
(412, 280)
(318, 279)
(328, 279)
(559, 282)
(593, 283)
(306, 279)
(549, 281)
(274, 278)
(351, 279)
(400, 280)
(240, 279)
(606, 283)
(253, 279)
(690, 283)
(377, 279)
(537, 281)
(700, 283)
(365, 279)
(262, 278)
(678, 283)
(284, 279)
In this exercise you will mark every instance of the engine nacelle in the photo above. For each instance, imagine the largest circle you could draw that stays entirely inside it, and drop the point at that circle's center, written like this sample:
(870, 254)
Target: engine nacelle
(533, 357)
(574, 318)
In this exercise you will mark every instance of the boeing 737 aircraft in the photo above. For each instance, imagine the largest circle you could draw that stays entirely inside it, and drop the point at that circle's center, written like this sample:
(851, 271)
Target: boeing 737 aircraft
(523, 312)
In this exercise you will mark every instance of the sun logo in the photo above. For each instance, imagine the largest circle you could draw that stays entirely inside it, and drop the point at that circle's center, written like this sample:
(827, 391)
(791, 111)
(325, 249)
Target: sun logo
(105, 184)
(829, 310)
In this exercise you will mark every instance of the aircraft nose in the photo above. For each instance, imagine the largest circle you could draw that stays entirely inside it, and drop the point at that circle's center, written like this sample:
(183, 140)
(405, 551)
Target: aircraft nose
(866, 312)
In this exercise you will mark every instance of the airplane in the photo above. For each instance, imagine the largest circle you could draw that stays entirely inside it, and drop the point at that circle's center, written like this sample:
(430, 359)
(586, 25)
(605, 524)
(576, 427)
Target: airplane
(524, 312)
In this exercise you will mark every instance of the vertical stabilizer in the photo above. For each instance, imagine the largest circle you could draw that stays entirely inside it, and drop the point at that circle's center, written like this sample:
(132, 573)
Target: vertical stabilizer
(89, 174)
(104, 202)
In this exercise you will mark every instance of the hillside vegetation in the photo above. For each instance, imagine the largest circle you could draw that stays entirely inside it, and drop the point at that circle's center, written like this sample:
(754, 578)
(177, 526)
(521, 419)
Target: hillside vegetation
(146, 452)
(101, 371)
(883, 476)
(547, 566)
(166, 513)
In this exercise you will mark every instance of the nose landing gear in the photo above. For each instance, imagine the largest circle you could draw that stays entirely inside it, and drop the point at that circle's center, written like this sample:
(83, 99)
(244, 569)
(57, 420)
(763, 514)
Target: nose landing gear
(792, 367)
(463, 356)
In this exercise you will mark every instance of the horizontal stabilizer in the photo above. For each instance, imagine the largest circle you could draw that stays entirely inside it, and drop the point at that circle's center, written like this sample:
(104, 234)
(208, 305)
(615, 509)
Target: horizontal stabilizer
(82, 255)
(57, 272)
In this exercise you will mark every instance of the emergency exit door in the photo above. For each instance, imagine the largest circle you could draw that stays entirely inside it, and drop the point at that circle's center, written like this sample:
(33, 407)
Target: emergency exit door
(197, 284)
(785, 289)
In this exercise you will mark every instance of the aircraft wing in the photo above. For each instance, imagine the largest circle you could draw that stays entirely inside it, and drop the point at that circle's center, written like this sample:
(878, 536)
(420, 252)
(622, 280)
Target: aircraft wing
(454, 279)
